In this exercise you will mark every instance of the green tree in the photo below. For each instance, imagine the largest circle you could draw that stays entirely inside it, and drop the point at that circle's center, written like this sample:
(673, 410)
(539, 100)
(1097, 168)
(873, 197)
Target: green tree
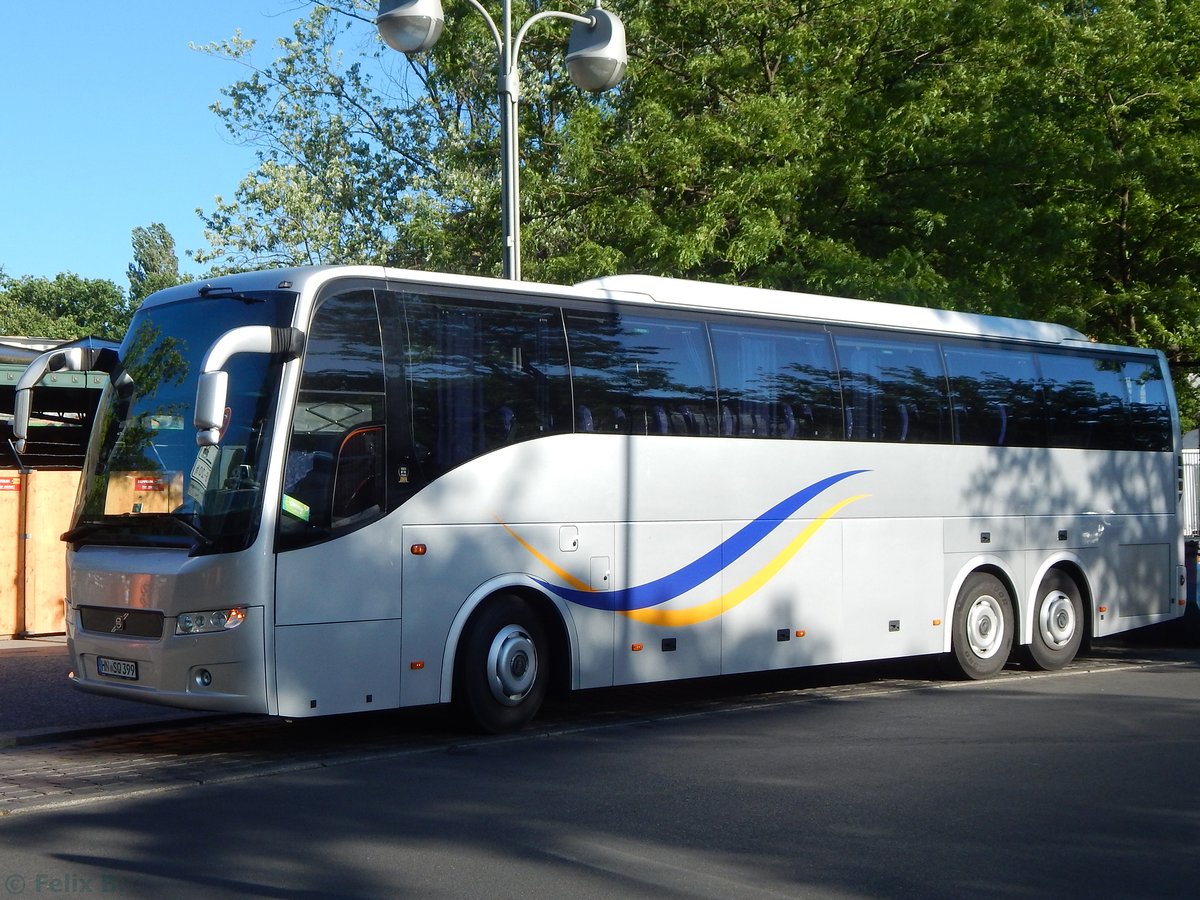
(340, 177)
(393, 162)
(64, 307)
(155, 264)
(1000, 156)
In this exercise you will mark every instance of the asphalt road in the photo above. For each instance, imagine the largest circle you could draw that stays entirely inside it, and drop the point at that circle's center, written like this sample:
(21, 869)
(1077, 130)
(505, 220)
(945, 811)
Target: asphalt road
(834, 783)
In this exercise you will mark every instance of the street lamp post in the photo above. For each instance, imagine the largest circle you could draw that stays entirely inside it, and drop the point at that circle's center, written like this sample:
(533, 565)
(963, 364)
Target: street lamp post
(596, 60)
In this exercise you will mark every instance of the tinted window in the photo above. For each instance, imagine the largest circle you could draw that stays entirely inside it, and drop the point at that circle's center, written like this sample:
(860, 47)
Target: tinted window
(1104, 403)
(482, 377)
(997, 396)
(640, 375)
(1149, 408)
(894, 389)
(334, 478)
(776, 383)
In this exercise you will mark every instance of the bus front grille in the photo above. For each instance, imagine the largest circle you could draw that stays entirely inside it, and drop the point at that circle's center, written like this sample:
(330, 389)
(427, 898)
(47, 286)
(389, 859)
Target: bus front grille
(134, 623)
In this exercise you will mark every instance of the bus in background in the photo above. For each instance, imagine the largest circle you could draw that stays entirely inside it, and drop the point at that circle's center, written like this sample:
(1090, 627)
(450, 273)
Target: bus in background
(322, 490)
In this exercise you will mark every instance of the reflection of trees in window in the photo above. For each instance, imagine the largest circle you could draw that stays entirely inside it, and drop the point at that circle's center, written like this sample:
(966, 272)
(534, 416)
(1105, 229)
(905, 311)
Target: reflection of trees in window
(343, 352)
(996, 396)
(147, 420)
(1105, 403)
(893, 391)
(1150, 414)
(152, 361)
(776, 383)
(1081, 410)
(639, 375)
(998, 411)
(1069, 399)
(482, 377)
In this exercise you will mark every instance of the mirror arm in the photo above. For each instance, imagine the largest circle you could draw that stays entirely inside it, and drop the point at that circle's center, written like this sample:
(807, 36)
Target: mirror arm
(212, 389)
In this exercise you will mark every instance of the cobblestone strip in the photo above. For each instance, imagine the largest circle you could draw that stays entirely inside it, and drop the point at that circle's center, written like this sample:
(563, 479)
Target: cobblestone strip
(182, 754)
(170, 757)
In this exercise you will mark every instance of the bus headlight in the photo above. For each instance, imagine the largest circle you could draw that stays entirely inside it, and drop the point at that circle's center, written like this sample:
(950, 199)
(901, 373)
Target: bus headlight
(209, 621)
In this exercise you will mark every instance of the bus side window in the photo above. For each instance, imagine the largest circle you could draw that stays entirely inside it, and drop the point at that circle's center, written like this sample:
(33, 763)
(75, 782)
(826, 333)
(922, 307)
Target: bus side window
(641, 375)
(895, 389)
(334, 478)
(1101, 402)
(1150, 412)
(776, 383)
(480, 377)
(996, 395)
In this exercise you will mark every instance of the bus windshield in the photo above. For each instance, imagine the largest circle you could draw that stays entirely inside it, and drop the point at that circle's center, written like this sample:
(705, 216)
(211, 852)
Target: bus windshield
(145, 481)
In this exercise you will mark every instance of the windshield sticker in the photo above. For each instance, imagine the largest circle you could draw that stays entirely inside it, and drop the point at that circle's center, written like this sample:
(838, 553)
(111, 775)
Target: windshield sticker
(202, 470)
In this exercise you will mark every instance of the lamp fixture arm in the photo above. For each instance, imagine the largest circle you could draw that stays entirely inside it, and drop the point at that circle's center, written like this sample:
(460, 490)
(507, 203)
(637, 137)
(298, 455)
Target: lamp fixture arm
(491, 24)
(511, 84)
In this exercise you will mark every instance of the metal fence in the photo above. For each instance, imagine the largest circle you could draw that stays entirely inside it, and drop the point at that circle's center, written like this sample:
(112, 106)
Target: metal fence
(1189, 510)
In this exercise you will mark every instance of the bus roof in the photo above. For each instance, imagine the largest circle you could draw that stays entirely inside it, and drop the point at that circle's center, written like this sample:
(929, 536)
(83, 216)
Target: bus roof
(839, 310)
(674, 292)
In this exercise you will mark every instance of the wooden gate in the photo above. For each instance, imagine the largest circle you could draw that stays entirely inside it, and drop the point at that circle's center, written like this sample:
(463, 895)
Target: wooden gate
(35, 509)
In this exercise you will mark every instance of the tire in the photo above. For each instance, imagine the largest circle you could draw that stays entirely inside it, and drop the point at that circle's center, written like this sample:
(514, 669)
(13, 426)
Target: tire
(1058, 623)
(982, 627)
(503, 666)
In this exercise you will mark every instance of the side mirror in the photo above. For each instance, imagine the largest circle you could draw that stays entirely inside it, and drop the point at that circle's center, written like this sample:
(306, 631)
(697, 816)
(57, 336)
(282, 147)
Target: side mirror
(20, 421)
(91, 353)
(211, 394)
(212, 387)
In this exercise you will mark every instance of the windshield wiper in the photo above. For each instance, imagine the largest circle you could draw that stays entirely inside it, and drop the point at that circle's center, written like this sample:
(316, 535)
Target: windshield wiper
(127, 526)
(190, 529)
(227, 293)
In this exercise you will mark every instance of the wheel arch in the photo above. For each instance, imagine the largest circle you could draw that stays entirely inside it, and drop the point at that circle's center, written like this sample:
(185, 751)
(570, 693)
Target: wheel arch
(991, 565)
(1071, 566)
(551, 611)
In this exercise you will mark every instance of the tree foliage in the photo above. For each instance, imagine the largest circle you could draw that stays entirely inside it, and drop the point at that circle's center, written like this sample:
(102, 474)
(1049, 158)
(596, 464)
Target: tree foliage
(155, 264)
(1037, 160)
(69, 306)
(65, 307)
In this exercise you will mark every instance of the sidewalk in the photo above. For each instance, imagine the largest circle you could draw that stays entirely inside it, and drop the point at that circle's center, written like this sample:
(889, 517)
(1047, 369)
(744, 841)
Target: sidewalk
(38, 702)
(33, 644)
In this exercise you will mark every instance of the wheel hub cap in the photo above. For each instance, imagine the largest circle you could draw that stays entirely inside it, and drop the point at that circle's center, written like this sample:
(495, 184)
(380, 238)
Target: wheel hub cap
(1057, 620)
(985, 627)
(511, 665)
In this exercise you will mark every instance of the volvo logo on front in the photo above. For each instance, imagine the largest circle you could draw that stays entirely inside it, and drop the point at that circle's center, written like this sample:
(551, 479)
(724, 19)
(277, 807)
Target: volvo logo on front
(119, 623)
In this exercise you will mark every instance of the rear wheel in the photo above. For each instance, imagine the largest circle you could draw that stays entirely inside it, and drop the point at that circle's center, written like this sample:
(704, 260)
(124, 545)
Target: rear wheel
(1057, 622)
(982, 627)
(503, 665)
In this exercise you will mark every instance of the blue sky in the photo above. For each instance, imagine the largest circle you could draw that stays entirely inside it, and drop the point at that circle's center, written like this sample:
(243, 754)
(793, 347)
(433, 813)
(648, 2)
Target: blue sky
(105, 125)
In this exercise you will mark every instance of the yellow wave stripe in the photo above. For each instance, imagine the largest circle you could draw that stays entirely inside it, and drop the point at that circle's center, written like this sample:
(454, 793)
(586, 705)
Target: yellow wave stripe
(713, 608)
(547, 562)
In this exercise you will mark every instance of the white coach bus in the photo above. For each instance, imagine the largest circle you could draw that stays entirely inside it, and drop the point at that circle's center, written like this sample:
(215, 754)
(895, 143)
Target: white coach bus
(321, 490)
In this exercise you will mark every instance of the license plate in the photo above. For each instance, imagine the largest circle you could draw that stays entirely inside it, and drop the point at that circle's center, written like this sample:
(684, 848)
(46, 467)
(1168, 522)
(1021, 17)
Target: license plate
(117, 668)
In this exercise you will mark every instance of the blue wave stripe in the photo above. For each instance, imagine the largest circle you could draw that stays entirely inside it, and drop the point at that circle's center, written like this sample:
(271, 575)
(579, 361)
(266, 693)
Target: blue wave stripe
(695, 573)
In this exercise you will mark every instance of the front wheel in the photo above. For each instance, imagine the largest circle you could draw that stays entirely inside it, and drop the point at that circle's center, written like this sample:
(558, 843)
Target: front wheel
(503, 665)
(982, 627)
(1058, 623)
